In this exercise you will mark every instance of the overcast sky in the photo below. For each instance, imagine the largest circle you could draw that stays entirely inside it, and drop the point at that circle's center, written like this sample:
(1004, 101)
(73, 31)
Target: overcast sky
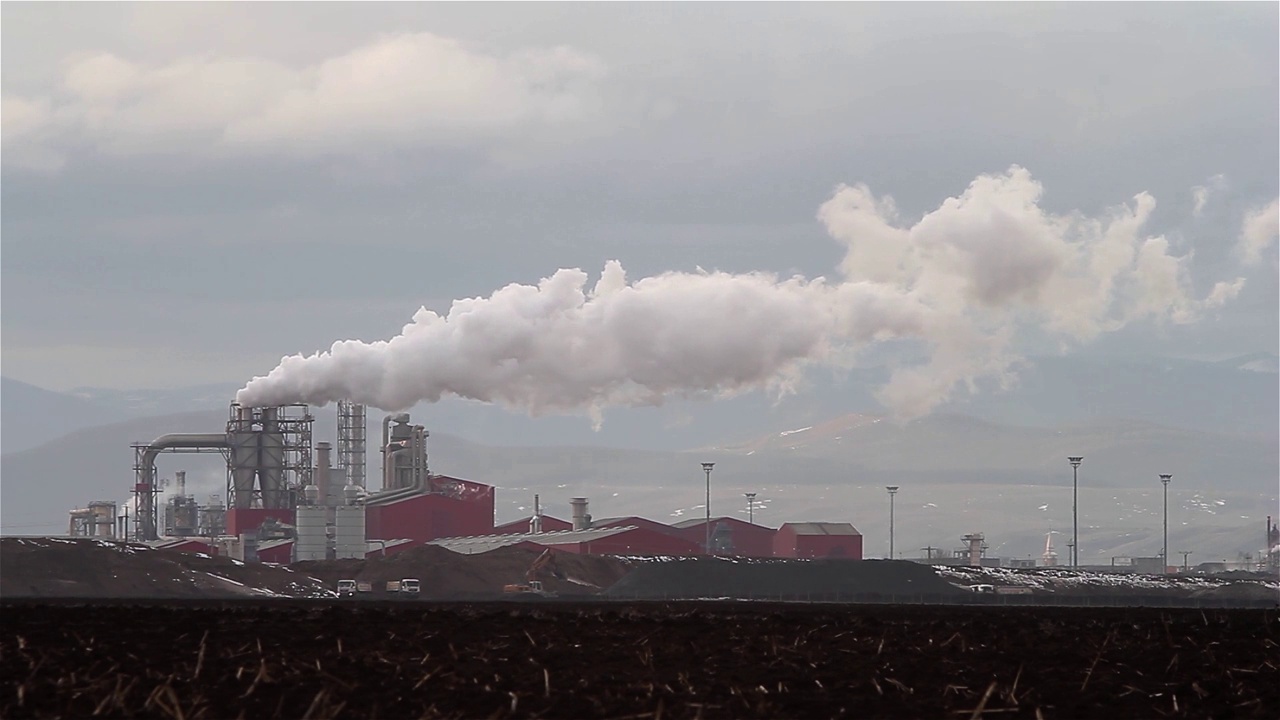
(191, 191)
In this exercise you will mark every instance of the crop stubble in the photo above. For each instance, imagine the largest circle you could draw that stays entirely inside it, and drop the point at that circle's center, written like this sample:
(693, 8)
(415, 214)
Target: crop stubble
(292, 659)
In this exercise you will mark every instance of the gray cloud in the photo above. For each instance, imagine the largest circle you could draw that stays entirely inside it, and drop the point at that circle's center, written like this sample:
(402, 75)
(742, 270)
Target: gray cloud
(701, 136)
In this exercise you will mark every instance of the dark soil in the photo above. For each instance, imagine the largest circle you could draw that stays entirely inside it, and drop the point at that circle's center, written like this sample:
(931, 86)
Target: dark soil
(59, 568)
(792, 580)
(295, 659)
(445, 574)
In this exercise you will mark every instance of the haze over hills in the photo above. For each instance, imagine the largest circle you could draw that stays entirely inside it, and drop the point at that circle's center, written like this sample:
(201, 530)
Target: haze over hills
(993, 462)
(959, 474)
(1237, 396)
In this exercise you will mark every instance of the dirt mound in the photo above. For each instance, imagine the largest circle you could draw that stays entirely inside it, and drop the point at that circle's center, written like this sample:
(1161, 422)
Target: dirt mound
(62, 568)
(445, 574)
(780, 579)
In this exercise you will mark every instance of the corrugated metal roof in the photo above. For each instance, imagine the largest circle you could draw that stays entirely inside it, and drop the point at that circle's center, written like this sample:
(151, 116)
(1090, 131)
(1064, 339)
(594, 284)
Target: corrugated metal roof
(374, 546)
(267, 545)
(822, 528)
(696, 522)
(484, 543)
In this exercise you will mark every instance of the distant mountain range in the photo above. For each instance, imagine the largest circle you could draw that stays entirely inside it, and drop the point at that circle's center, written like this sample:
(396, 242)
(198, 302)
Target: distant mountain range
(994, 462)
(958, 474)
(1237, 396)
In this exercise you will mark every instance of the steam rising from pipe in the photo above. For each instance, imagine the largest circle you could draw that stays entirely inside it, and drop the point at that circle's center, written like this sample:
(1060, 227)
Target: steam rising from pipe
(965, 280)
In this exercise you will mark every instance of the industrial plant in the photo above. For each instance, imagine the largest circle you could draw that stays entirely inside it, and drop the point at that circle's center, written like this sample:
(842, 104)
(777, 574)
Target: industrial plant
(287, 500)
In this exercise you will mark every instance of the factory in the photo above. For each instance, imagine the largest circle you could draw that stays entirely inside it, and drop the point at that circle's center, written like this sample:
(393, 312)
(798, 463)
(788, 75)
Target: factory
(289, 499)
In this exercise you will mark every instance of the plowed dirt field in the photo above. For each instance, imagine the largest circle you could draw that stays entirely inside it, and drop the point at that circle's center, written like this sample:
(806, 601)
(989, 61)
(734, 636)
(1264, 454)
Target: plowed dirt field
(323, 659)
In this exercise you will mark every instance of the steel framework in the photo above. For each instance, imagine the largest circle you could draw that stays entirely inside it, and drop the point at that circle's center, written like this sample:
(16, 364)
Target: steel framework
(352, 427)
(146, 494)
(275, 445)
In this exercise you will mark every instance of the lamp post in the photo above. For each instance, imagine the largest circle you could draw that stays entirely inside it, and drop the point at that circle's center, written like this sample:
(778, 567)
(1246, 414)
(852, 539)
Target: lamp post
(706, 467)
(893, 490)
(1075, 513)
(751, 506)
(1164, 550)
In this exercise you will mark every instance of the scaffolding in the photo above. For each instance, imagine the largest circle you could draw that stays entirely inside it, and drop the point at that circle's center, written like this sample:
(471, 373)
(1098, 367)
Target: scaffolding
(273, 446)
(352, 426)
(146, 487)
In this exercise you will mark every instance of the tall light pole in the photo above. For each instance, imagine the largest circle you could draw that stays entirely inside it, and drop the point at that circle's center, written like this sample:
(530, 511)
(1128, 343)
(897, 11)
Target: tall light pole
(1075, 512)
(706, 467)
(1164, 551)
(893, 490)
(751, 506)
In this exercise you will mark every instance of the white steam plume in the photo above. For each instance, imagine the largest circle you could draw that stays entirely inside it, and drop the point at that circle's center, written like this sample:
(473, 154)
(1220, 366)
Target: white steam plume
(966, 280)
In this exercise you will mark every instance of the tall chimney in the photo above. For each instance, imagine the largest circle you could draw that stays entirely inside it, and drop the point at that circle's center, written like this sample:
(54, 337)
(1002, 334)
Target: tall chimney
(322, 471)
(535, 523)
(581, 520)
(180, 478)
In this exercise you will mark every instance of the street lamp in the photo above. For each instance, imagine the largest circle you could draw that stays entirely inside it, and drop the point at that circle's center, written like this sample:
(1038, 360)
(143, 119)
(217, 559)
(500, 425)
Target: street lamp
(1164, 551)
(1075, 514)
(893, 490)
(706, 467)
(751, 504)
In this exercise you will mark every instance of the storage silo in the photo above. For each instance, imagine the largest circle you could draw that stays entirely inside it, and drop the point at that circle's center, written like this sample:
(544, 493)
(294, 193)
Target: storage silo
(348, 526)
(311, 525)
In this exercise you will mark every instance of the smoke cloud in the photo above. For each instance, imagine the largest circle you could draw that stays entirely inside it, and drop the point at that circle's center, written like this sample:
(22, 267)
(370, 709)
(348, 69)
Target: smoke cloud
(966, 281)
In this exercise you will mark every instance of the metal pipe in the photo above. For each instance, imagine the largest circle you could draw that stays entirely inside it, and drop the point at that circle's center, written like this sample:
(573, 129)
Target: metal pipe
(386, 451)
(1164, 551)
(893, 490)
(1075, 516)
(706, 466)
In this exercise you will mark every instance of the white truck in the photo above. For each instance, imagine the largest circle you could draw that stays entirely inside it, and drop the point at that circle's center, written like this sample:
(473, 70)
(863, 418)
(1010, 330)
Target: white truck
(406, 588)
(346, 588)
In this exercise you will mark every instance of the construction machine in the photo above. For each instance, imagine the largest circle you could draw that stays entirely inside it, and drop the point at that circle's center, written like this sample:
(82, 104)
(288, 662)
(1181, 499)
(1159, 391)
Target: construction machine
(544, 564)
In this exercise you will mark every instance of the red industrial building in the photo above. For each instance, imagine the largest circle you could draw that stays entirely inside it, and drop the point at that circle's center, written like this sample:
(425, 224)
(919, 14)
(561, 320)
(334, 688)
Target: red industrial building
(639, 522)
(730, 536)
(276, 551)
(549, 524)
(247, 520)
(448, 507)
(623, 541)
(818, 540)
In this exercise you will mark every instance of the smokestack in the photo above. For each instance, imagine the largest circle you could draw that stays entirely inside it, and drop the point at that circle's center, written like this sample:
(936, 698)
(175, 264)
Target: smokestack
(180, 479)
(581, 520)
(535, 523)
(322, 471)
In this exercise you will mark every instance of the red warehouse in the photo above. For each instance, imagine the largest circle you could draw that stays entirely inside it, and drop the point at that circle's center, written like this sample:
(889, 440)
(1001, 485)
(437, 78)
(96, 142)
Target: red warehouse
(818, 540)
(620, 541)
(447, 507)
(730, 536)
(638, 522)
(549, 524)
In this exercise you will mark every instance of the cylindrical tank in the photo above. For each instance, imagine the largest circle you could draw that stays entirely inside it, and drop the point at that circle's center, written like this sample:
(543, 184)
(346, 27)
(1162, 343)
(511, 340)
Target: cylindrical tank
(322, 471)
(271, 460)
(348, 531)
(581, 520)
(312, 540)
